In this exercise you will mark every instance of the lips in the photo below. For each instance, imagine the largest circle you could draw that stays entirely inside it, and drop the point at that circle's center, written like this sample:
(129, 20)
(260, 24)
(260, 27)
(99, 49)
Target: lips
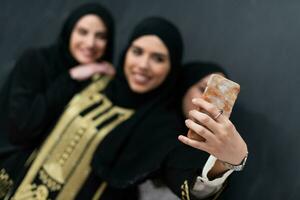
(140, 78)
(87, 53)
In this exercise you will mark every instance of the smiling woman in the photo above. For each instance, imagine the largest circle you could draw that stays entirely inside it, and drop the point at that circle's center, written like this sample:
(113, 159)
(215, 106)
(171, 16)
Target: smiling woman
(45, 79)
(147, 64)
(88, 39)
(100, 147)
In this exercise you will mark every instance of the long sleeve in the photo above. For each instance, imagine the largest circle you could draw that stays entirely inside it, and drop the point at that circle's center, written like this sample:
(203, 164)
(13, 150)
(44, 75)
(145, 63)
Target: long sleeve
(36, 98)
(185, 173)
(203, 187)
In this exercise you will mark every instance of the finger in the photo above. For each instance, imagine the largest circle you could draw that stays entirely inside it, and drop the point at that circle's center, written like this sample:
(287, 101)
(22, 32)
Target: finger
(193, 143)
(105, 68)
(192, 135)
(200, 130)
(112, 70)
(211, 109)
(205, 120)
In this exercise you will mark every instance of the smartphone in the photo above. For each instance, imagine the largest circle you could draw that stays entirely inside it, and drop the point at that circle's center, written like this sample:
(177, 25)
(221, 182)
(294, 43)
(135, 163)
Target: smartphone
(221, 92)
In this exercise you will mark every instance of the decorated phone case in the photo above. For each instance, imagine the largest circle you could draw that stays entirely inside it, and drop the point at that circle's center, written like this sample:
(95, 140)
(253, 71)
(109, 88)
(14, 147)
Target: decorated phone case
(222, 93)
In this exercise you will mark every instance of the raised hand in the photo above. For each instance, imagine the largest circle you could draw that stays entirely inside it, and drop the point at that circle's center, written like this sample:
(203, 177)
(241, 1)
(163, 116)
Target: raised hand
(86, 71)
(221, 139)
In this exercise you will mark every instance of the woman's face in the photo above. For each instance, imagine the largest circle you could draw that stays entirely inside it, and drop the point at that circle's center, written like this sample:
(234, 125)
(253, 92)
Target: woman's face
(88, 39)
(147, 63)
(195, 91)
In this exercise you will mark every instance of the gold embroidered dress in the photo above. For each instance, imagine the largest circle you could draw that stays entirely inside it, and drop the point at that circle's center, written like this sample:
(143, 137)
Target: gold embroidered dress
(62, 164)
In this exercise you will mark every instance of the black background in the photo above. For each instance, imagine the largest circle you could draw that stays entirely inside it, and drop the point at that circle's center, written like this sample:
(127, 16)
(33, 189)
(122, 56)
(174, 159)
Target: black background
(257, 41)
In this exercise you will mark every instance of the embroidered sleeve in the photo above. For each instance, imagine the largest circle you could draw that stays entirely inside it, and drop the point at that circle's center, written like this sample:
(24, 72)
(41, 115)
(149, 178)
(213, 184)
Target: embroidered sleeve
(5, 183)
(204, 187)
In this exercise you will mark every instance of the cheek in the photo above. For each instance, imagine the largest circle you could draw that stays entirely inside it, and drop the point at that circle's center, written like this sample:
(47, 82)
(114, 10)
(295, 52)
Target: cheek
(75, 38)
(127, 64)
(187, 103)
(75, 41)
(72, 45)
(101, 44)
(190, 95)
(161, 72)
(130, 61)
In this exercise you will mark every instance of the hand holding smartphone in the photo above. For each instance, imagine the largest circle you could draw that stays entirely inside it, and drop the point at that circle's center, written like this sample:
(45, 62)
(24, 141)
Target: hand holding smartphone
(222, 93)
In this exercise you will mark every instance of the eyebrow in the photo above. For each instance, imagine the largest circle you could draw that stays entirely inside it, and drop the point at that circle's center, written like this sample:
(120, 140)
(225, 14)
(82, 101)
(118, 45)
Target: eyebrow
(84, 28)
(155, 53)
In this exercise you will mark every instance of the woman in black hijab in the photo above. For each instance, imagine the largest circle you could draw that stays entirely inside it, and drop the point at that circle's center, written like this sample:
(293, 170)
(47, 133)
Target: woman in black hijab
(113, 133)
(219, 132)
(191, 85)
(192, 75)
(145, 146)
(45, 79)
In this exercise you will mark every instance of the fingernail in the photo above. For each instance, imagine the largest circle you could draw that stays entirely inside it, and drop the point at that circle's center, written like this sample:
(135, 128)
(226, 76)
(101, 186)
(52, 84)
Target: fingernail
(187, 122)
(180, 137)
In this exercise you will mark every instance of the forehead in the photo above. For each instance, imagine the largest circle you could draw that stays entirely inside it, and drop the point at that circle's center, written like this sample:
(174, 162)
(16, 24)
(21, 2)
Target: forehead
(151, 43)
(91, 21)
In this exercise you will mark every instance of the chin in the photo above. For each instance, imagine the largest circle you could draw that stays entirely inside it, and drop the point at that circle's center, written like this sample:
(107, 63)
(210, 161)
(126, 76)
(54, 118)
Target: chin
(138, 89)
(85, 60)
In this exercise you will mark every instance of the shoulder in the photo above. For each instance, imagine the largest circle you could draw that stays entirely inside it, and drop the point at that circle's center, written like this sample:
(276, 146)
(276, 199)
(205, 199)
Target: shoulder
(33, 58)
(31, 53)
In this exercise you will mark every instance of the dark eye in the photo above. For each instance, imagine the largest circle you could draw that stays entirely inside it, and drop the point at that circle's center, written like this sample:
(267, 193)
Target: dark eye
(158, 58)
(82, 31)
(136, 51)
(101, 35)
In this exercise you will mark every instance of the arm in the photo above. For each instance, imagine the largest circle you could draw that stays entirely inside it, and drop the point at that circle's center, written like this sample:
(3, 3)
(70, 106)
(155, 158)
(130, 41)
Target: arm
(188, 184)
(204, 186)
(185, 172)
(221, 139)
(34, 103)
(83, 72)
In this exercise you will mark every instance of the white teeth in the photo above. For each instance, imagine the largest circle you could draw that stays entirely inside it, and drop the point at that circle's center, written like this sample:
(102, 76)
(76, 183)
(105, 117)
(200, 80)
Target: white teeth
(140, 78)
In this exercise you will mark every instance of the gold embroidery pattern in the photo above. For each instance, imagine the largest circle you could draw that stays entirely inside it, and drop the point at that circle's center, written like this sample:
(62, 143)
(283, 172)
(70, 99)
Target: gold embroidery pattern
(100, 191)
(5, 183)
(49, 182)
(185, 195)
(63, 162)
(32, 192)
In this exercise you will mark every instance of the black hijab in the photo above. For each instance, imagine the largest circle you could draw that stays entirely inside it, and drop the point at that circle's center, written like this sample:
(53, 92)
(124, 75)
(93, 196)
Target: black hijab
(137, 147)
(187, 157)
(62, 44)
(171, 37)
(49, 66)
(193, 72)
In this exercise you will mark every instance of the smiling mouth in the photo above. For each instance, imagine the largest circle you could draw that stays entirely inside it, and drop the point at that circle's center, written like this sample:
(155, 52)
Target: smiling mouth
(141, 78)
(87, 53)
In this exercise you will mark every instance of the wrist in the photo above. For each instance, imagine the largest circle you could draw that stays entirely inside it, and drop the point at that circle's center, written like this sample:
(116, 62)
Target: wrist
(72, 74)
(217, 170)
(238, 159)
(236, 167)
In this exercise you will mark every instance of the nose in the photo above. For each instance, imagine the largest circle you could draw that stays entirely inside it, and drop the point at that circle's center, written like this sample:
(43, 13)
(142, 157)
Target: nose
(90, 41)
(144, 62)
